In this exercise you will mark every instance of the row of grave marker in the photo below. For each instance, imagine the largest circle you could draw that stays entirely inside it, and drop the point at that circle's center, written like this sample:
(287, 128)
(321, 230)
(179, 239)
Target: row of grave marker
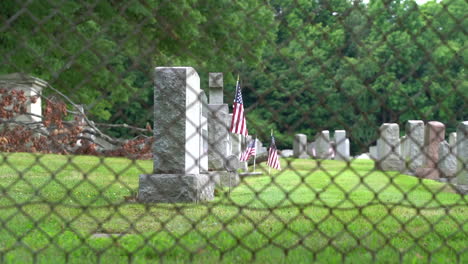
(194, 145)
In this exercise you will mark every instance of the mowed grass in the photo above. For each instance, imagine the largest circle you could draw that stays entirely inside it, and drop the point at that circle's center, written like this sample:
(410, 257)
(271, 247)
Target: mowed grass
(311, 211)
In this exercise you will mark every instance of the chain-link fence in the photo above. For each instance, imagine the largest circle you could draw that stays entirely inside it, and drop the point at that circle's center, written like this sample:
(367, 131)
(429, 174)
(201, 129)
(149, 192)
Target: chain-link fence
(215, 131)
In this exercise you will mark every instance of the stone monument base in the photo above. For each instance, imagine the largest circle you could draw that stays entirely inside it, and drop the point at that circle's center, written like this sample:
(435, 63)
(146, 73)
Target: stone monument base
(247, 174)
(224, 178)
(175, 188)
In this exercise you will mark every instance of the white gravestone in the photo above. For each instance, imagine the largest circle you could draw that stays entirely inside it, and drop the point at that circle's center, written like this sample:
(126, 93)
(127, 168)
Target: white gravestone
(342, 145)
(447, 162)
(176, 150)
(323, 145)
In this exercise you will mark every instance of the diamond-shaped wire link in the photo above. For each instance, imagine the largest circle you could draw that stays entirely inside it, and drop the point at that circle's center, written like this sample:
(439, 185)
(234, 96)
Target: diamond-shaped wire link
(84, 138)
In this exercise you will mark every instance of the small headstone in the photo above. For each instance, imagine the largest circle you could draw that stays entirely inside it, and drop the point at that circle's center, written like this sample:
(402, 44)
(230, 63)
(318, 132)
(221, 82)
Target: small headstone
(299, 146)
(414, 157)
(260, 148)
(342, 145)
(286, 153)
(216, 87)
(323, 145)
(311, 150)
(218, 136)
(388, 148)
(447, 160)
(363, 156)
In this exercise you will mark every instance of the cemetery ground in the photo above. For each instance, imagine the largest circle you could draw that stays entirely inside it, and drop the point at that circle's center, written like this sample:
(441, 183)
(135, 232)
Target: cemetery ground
(52, 206)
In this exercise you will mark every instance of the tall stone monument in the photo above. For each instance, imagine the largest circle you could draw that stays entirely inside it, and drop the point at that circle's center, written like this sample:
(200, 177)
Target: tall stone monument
(388, 148)
(218, 134)
(414, 157)
(434, 134)
(342, 146)
(177, 131)
(299, 146)
(462, 155)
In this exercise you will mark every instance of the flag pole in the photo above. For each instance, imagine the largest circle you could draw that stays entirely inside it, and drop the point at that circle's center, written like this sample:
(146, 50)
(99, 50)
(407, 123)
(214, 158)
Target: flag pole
(255, 156)
(269, 168)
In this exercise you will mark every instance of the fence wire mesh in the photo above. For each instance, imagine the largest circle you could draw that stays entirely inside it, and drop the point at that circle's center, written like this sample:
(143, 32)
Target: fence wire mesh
(215, 131)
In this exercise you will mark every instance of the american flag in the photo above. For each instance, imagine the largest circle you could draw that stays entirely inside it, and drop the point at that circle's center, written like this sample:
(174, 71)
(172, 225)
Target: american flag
(273, 159)
(249, 152)
(238, 123)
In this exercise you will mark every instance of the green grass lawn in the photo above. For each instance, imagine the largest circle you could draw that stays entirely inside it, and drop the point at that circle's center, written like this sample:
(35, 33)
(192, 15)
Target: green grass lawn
(323, 212)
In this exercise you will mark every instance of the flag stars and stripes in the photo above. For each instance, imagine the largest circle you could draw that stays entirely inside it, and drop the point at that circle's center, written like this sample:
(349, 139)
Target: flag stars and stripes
(249, 152)
(238, 122)
(273, 159)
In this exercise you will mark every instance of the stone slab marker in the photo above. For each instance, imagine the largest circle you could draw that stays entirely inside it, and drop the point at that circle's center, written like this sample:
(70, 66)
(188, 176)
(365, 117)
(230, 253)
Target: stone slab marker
(388, 148)
(342, 145)
(434, 134)
(176, 150)
(447, 163)
(218, 133)
(300, 146)
(323, 145)
(218, 136)
(462, 155)
(414, 158)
